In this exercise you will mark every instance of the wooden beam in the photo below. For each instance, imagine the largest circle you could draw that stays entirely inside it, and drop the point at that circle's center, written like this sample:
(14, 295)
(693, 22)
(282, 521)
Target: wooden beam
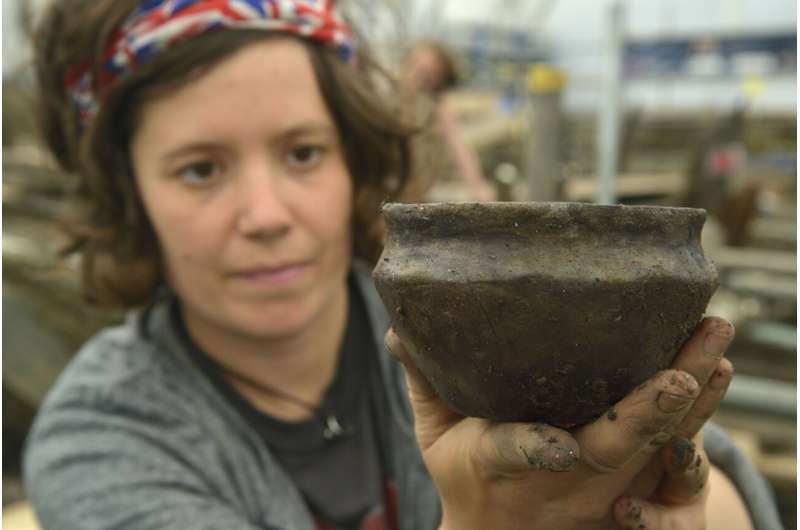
(767, 260)
(627, 185)
(780, 469)
(773, 229)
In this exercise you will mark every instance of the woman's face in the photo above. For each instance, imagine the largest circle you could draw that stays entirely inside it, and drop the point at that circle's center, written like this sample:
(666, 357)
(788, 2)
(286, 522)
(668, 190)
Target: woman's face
(243, 177)
(424, 70)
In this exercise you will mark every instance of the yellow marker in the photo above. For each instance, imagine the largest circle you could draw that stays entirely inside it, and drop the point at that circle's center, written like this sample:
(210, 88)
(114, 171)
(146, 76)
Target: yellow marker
(753, 86)
(546, 78)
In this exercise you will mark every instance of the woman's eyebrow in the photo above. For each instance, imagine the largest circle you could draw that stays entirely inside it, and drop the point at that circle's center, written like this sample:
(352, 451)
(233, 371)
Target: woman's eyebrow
(308, 129)
(187, 149)
(288, 134)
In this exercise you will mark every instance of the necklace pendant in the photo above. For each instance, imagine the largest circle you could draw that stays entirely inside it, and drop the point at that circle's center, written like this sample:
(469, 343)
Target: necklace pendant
(332, 428)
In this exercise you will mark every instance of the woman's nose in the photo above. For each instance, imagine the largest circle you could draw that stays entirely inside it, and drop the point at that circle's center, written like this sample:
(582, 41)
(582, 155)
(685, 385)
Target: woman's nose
(263, 207)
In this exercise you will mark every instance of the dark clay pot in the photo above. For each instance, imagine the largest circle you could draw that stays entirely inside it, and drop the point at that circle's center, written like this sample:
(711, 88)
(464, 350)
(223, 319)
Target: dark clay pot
(545, 312)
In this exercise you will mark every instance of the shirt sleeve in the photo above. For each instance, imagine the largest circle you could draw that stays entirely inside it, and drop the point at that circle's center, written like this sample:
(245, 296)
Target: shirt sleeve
(755, 491)
(93, 464)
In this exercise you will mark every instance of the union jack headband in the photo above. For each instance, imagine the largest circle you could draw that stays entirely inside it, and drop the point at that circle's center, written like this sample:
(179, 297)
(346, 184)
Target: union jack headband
(158, 25)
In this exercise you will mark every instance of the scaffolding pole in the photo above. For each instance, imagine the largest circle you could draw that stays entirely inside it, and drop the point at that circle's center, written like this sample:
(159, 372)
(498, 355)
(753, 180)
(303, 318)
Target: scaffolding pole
(610, 112)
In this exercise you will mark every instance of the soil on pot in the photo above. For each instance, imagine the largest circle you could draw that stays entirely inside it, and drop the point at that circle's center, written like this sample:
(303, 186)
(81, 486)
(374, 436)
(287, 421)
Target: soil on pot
(542, 312)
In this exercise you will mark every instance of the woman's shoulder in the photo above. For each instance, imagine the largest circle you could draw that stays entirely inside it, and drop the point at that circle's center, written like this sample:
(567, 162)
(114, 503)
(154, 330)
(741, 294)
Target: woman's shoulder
(124, 370)
(118, 357)
(112, 357)
(133, 414)
(131, 395)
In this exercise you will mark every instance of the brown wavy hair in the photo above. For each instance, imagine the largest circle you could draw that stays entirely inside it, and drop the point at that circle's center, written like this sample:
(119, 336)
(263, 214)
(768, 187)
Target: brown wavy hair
(121, 261)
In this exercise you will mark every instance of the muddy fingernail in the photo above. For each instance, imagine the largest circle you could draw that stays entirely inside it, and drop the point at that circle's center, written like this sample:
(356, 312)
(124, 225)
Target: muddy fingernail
(679, 394)
(719, 336)
(680, 454)
(672, 403)
(721, 377)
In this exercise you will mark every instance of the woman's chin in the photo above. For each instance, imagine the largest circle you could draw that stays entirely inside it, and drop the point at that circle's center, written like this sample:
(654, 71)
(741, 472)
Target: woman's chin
(274, 325)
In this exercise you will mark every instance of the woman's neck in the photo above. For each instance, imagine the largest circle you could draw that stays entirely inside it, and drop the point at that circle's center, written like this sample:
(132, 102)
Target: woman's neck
(302, 365)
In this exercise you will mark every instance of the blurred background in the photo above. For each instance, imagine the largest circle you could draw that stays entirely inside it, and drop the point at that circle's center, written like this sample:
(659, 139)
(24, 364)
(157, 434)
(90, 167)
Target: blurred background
(667, 102)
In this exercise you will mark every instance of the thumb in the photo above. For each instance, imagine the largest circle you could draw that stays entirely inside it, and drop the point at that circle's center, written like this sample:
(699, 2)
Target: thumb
(432, 416)
(512, 448)
(419, 388)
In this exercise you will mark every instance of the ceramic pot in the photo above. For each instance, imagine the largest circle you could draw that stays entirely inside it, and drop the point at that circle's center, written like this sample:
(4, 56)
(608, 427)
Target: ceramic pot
(546, 312)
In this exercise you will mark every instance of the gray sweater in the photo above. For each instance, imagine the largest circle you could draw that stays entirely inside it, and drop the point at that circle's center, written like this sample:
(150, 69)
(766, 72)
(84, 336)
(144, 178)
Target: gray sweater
(134, 436)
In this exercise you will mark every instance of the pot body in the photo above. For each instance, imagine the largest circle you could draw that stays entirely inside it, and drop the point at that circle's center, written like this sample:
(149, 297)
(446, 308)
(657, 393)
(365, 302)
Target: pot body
(547, 312)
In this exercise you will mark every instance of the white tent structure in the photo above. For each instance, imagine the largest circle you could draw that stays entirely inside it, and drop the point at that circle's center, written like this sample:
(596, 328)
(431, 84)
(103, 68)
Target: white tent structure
(574, 33)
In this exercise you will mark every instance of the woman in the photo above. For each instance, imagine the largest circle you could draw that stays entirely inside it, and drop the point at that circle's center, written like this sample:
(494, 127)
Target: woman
(430, 70)
(233, 155)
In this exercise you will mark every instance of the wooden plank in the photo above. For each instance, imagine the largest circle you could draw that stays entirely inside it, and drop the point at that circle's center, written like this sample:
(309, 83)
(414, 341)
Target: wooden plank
(779, 469)
(776, 334)
(777, 261)
(747, 442)
(779, 433)
(627, 185)
(762, 396)
(781, 287)
(773, 229)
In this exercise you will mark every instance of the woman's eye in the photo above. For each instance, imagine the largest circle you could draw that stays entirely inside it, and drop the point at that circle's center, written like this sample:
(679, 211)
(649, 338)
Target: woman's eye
(200, 172)
(304, 156)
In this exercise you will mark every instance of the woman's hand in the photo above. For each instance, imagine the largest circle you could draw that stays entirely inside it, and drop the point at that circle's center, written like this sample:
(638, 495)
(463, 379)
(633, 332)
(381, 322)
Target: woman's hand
(672, 492)
(605, 474)
(693, 494)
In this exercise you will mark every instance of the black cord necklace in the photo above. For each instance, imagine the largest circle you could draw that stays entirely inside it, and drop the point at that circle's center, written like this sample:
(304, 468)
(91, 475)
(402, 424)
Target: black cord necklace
(331, 427)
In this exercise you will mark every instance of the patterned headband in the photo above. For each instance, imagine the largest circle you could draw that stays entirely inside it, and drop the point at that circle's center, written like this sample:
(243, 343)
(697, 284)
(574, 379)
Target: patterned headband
(157, 25)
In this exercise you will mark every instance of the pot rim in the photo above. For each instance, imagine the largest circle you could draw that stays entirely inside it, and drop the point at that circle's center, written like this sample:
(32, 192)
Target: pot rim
(443, 220)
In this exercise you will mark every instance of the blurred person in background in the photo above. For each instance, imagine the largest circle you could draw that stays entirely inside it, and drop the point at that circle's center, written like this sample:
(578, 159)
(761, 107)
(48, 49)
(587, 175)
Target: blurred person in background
(233, 156)
(431, 70)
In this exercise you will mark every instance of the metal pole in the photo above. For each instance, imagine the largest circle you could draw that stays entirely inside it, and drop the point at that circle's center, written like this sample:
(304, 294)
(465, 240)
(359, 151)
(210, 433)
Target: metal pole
(543, 140)
(608, 128)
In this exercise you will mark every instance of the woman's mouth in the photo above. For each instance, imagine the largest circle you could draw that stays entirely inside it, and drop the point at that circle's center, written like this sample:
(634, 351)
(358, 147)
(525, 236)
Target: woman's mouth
(273, 276)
